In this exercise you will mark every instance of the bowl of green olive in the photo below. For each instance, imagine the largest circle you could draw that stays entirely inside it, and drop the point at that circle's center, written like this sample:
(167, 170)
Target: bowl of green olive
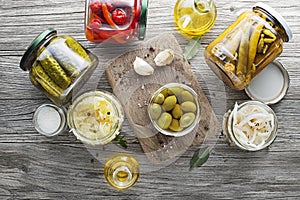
(174, 109)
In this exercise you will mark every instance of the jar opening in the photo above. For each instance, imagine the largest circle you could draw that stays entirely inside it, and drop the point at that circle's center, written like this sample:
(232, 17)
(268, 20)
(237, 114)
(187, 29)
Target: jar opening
(28, 57)
(276, 17)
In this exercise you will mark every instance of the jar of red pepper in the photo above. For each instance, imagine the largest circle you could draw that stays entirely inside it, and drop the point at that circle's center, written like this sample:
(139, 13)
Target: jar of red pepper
(115, 21)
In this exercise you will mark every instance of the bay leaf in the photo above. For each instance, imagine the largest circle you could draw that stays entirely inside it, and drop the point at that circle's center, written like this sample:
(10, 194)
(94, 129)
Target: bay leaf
(192, 48)
(199, 158)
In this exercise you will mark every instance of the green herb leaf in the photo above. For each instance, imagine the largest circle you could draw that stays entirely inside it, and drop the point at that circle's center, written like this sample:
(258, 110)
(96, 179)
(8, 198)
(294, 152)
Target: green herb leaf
(199, 158)
(192, 48)
(121, 141)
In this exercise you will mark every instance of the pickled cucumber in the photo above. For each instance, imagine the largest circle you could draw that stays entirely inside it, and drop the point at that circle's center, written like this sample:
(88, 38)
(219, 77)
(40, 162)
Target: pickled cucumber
(39, 76)
(76, 47)
(64, 58)
(54, 71)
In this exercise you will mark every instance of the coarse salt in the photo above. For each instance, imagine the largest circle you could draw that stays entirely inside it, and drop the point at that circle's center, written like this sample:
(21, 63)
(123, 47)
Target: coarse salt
(48, 120)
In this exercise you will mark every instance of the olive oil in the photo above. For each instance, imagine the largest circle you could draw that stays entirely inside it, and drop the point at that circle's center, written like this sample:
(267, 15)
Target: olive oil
(195, 17)
(121, 171)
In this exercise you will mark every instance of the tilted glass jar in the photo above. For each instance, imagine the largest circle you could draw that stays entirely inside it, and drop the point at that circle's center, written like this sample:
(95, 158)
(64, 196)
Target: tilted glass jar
(57, 65)
(248, 45)
(115, 21)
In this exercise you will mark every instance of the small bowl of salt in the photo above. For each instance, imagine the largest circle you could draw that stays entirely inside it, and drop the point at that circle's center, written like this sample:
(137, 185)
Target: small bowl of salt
(49, 119)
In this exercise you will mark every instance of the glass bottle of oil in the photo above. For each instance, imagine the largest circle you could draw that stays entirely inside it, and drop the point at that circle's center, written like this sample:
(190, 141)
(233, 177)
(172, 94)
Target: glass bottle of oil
(195, 17)
(121, 171)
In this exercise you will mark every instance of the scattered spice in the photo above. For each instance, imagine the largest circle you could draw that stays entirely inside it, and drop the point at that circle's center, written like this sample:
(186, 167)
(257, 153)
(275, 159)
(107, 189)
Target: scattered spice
(152, 49)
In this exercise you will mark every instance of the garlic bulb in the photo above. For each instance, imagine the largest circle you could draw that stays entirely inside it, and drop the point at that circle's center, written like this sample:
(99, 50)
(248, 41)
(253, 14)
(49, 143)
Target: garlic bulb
(141, 67)
(164, 58)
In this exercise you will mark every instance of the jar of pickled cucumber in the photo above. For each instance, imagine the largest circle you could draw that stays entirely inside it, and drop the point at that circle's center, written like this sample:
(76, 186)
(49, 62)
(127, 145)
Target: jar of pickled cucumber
(115, 21)
(248, 45)
(58, 65)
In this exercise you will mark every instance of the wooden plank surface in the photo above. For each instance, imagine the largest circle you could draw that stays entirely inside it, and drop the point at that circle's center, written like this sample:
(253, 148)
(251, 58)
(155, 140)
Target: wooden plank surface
(35, 167)
(135, 96)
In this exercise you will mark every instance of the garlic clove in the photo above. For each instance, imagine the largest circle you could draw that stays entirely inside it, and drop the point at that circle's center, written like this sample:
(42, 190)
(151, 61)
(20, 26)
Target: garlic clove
(141, 67)
(164, 58)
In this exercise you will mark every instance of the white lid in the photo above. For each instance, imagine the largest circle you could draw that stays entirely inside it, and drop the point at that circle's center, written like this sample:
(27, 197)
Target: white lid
(270, 85)
(278, 17)
(49, 120)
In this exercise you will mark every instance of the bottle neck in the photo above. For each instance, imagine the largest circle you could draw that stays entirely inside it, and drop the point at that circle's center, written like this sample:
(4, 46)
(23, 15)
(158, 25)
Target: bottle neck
(203, 6)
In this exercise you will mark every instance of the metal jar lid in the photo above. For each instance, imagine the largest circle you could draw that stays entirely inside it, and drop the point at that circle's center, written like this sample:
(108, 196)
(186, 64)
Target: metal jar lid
(270, 85)
(28, 57)
(50, 120)
(143, 19)
(277, 17)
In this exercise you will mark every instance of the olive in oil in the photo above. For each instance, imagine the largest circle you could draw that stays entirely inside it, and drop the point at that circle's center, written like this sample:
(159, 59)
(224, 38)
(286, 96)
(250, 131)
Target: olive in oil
(121, 171)
(195, 17)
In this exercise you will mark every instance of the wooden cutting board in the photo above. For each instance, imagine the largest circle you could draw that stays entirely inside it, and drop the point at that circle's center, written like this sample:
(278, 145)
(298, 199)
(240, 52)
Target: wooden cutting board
(134, 91)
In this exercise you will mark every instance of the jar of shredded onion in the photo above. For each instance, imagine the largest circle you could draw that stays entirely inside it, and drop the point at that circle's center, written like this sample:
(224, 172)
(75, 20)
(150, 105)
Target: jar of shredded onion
(251, 126)
(95, 117)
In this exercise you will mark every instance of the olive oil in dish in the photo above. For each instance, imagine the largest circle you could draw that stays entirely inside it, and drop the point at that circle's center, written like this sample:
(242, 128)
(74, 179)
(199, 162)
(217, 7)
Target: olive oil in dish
(121, 171)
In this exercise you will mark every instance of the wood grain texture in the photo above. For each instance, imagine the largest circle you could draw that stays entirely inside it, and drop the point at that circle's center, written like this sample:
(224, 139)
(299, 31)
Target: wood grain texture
(35, 167)
(135, 97)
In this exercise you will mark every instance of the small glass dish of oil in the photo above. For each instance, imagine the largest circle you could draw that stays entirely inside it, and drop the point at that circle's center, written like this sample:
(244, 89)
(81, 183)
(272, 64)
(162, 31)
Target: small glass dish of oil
(121, 171)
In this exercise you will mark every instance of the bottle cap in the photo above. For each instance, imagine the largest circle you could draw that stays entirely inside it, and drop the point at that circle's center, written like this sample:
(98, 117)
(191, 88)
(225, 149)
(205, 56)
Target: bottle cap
(143, 19)
(270, 85)
(49, 119)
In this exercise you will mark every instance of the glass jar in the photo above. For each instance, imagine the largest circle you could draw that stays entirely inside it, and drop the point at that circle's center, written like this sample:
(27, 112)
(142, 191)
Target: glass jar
(251, 126)
(174, 109)
(50, 120)
(115, 21)
(57, 65)
(248, 45)
(95, 117)
(195, 17)
(121, 171)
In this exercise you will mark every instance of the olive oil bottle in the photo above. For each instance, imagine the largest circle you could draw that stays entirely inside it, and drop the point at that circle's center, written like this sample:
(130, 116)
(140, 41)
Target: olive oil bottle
(195, 17)
(121, 171)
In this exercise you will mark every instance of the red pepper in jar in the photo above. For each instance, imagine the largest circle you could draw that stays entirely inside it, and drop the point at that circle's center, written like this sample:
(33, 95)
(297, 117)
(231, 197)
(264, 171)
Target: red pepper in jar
(107, 16)
(120, 20)
(119, 16)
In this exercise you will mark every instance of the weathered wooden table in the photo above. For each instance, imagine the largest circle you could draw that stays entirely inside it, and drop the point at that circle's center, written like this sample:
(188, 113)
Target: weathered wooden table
(36, 167)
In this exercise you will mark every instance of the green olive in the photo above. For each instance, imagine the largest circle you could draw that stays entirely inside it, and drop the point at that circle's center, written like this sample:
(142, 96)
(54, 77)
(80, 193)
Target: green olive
(165, 92)
(160, 98)
(187, 119)
(169, 102)
(177, 112)
(188, 106)
(187, 96)
(164, 120)
(174, 126)
(170, 91)
(155, 110)
(176, 90)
